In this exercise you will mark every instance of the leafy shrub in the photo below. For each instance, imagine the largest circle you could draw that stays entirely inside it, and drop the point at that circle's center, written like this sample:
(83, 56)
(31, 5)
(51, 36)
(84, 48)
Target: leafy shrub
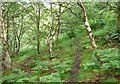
(14, 76)
(62, 68)
(27, 79)
(41, 65)
(89, 65)
(54, 77)
(108, 59)
(109, 80)
(55, 62)
(71, 34)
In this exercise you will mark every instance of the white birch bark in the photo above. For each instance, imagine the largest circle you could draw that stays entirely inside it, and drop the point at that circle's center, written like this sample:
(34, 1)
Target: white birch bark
(87, 23)
(6, 61)
(51, 33)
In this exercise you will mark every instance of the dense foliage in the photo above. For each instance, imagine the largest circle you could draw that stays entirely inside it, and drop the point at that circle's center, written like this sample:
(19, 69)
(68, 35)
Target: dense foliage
(41, 41)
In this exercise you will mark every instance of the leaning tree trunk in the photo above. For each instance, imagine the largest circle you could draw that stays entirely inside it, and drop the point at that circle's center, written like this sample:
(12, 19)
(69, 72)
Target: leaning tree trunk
(6, 57)
(80, 3)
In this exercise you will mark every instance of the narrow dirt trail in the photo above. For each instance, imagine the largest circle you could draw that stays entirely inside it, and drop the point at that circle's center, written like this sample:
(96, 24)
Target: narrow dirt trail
(76, 65)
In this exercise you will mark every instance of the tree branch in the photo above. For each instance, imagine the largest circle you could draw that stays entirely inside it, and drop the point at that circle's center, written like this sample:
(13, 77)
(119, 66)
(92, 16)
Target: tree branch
(11, 4)
(111, 7)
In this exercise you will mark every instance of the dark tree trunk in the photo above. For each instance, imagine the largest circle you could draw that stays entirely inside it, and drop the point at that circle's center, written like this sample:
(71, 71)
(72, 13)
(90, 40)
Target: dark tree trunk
(38, 29)
(38, 39)
(18, 46)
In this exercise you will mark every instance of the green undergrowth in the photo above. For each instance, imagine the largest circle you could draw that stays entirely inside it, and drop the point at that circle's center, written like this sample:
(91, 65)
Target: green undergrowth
(29, 67)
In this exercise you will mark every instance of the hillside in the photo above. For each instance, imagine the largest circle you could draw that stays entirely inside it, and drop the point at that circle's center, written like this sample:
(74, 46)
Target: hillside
(38, 54)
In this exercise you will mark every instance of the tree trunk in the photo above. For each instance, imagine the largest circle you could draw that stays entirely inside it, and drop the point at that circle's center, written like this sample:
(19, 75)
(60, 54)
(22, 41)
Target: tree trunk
(38, 29)
(118, 18)
(80, 3)
(18, 46)
(51, 35)
(0, 45)
(6, 57)
(19, 35)
(38, 40)
(14, 42)
(58, 24)
(1, 60)
(7, 37)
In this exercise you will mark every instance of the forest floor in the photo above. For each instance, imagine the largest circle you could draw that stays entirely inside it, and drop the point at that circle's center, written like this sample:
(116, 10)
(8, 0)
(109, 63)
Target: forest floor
(29, 67)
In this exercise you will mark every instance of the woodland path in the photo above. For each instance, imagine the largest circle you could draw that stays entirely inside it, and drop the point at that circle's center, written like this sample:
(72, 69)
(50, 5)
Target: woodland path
(76, 65)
